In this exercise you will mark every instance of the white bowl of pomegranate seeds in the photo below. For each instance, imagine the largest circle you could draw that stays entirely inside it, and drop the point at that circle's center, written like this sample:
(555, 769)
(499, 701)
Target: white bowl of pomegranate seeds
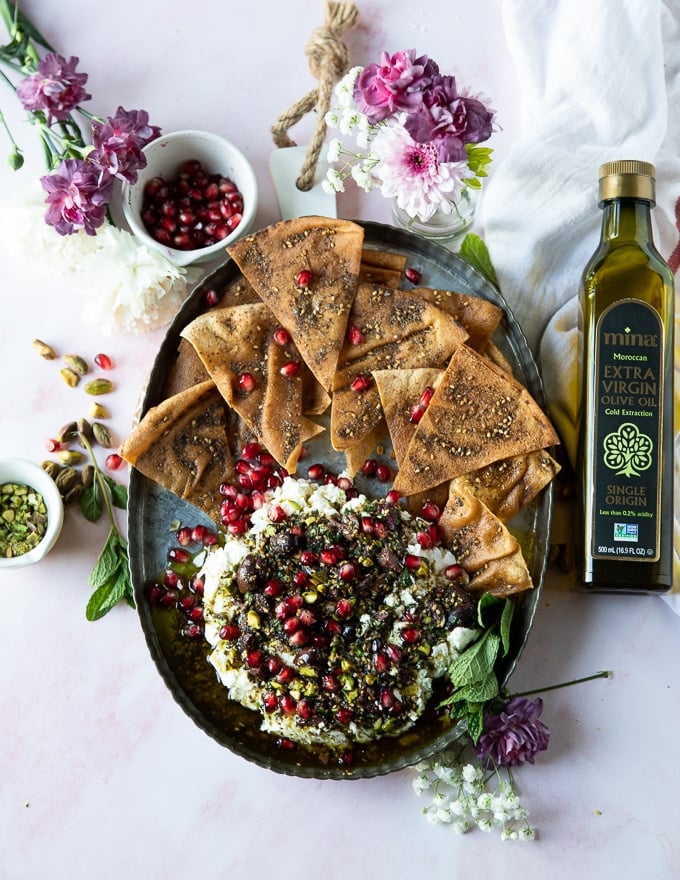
(196, 194)
(31, 513)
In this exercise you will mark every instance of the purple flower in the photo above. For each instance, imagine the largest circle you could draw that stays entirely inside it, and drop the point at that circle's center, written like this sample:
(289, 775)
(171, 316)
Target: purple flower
(56, 88)
(393, 85)
(449, 120)
(513, 736)
(118, 143)
(77, 195)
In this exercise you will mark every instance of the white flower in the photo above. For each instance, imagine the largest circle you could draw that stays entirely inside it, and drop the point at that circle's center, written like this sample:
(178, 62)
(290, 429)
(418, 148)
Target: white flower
(334, 150)
(335, 180)
(421, 784)
(332, 118)
(349, 121)
(362, 178)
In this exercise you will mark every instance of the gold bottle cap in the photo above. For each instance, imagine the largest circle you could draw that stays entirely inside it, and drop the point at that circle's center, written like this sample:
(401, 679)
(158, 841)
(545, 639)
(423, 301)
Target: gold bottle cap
(627, 178)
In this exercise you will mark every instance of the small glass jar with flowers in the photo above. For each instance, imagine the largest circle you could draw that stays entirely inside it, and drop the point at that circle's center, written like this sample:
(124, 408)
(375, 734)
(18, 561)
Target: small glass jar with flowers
(418, 140)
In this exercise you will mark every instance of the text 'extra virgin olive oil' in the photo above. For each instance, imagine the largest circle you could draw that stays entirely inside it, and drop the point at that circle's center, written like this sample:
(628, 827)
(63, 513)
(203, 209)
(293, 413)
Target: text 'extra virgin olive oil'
(625, 456)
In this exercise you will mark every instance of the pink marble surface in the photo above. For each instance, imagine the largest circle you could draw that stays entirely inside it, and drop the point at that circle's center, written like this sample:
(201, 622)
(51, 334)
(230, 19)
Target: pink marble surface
(102, 773)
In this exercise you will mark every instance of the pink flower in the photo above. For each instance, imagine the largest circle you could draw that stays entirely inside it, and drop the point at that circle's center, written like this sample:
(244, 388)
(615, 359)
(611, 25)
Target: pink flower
(513, 736)
(118, 143)
(56, 88)
(77, 196)
(413, 174)
(449, 120)
(393, 85)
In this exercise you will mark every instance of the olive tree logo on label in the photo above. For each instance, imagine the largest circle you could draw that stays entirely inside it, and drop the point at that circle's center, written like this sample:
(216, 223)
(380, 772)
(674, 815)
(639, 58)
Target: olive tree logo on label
(627, 451)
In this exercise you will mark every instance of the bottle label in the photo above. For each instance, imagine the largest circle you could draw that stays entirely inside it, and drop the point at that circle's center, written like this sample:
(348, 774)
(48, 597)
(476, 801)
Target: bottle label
(628, 430)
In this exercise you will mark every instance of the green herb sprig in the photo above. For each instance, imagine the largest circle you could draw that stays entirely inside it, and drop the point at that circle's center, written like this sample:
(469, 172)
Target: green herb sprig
(110, 577)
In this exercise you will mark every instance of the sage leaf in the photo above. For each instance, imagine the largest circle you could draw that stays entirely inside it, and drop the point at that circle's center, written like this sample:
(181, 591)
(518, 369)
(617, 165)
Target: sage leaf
(108, 563)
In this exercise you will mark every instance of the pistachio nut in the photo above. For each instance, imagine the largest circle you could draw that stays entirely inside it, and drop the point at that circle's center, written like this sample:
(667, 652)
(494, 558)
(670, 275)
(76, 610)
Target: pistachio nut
(66, 479)
(99, 386)
(87, 475)
(76, 363)
(69, 376)
(67, 432)
(97, 411)
(52, 468)
(44, 350)
(70, 456)
(102, 435)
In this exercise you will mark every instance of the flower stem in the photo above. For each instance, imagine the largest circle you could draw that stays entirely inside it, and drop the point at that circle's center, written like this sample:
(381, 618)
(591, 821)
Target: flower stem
(604, 673)
(101, 482)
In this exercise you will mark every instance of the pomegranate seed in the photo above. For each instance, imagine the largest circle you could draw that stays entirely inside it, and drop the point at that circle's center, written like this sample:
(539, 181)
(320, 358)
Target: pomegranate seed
(211, 298)
(178, 554)
(328, 557)
(285, 744)
(270, 701)
(291, 625)
(343, 483)
(286, 675)
(367, 525)
(346, 759)
(303, 709)
(307, 557)
(104, 361)
(281, 336)
(238, 527)
(430, 511)
(113, 461)
(415, 413)
(393, 497)
(343, 608)
(251, 451)
(382, 472)
(254, 659)
(316, 472)
(412, 562)
(355, 336)
(304, 278)
(290, 369)
(52, 445)
(273, 588)
(330, 683)
(344, 715)
(386, 697)
(393, 652)
(246, 382)
(360, 383)
(154, 593)
(368, 467)
(183, 536)
(170, 578)
(277, 514)
(196, 614)
(198, 534)
(381, 661)
(300, 578)
(229, 490)
(454, 572)
(307, 617)
(299, 638)
(412, 275)
(274, 665)
(410, 635)
(197, 584)
(426, 396)
(287, 704)
(294, 602)
(348, 571)
(193, 631)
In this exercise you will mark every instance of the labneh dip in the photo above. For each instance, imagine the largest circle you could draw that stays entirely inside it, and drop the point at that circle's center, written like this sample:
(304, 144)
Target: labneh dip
(331, 617)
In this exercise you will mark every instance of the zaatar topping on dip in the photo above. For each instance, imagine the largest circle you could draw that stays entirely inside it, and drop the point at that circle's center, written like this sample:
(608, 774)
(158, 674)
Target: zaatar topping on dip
(330, 618)
(23, 519)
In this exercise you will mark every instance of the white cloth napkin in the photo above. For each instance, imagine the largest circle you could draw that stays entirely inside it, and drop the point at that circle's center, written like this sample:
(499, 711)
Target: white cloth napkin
(598, 80)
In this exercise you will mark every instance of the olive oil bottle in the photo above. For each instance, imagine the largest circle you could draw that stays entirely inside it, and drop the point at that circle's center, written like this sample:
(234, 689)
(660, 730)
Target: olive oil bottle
(625, 452)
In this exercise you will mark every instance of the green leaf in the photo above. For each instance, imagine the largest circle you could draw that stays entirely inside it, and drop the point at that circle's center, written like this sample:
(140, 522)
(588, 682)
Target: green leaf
(479, 691)
(506, 622)
(474, 720)
(486, 601)
(91, 503)
(476, 662)
(475, 252)
(119, 495)
(108, 563)
(107, 595)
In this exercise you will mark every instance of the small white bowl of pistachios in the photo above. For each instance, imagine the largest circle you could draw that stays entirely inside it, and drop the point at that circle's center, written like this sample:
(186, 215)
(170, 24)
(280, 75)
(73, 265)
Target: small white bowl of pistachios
(31, 513)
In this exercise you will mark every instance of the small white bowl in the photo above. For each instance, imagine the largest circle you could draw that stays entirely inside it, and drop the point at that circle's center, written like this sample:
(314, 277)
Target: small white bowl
(164, 156)
(17, 470)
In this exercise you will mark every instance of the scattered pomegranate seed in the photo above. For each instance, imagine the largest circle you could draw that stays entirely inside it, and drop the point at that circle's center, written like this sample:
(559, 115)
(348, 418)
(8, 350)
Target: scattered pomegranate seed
(211, 298)
(360, 383)
(251, 450)
(284, 744)
(430, 511)
(381, 661)
(304, 278)
(178, 554)
(410, 635)
(415, 413)
(183, 536)
(343, 483)
(104, 361)
(328, 556)
(290, 369)
(343, 608)
(348, 571)
(368, 467)
(246, 382)
(113, 461)
(277, 514)
(300, 578)
(382, 472)
(281, 336)
(412, 562)
(344, 715)
(393, 497)
(316, 472)
(273, 587)
(454, 572)
(303, 710)
(426, 396)
(355, 336)
(270, 701)
(412, 275)
(307, 557)
(52, 445)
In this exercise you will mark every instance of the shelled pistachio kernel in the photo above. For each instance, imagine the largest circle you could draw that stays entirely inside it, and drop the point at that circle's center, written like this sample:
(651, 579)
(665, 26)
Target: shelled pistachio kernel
(102, 435)
(23, 519)
(76, 363)
(69, 376)
(99, 386)
(44, 350)
(98, 411)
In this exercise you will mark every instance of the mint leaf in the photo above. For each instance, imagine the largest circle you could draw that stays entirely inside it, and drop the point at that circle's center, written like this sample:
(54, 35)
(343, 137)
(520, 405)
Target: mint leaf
(487, 600)
(119, 493)
(91, 503)
(479, 691)
(506, 622)
(107, 564)
(106, 596)
(475, 252)
(474, 720)
(476, 662)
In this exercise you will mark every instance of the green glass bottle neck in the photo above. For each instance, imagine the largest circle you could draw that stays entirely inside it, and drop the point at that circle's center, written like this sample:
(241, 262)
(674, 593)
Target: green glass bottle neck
(627, 220)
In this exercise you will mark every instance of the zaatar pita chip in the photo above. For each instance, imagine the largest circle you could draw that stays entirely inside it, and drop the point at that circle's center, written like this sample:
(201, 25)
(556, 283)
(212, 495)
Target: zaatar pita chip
(187, 369)
(483, 545)
(479, 316)
(400, 391)
(399, 331)
(506, 486)
(313, 307)
(182, 444)
(383, 268)
(478, 414)
(238, 341)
